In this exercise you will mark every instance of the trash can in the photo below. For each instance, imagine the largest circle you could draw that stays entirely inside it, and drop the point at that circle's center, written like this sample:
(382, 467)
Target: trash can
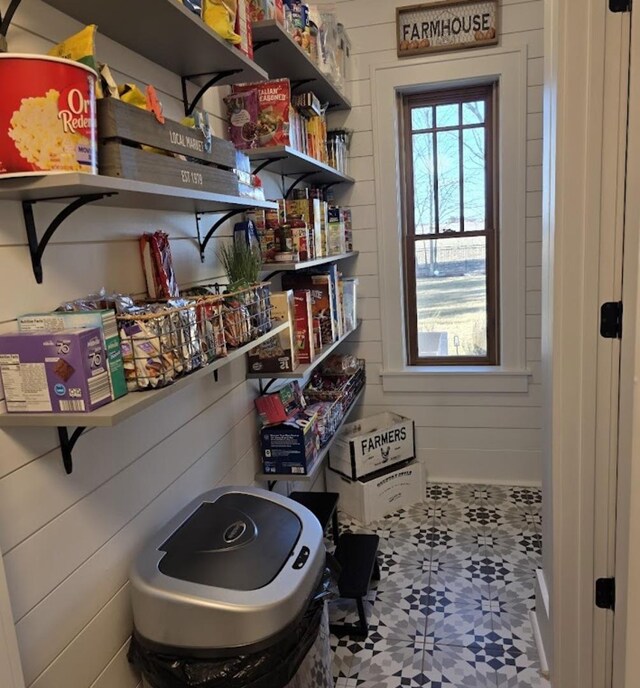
(231, 593)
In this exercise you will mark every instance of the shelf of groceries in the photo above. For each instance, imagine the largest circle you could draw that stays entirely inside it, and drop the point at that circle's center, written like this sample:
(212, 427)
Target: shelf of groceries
(319, 462)
(122, 193)
(284, 57)
(287, 161)
(178, 39)
(121, 409)
(303, 370)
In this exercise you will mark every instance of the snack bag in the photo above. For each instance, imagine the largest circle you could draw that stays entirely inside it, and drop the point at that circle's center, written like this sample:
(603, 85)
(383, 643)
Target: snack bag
(220, 15)
(81, 47)
(274, 101)
(242, 110)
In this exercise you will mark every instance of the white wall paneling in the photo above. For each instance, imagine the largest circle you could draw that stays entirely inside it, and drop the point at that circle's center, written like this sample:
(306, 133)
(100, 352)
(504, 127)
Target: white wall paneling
(371, 27)
(72, 615)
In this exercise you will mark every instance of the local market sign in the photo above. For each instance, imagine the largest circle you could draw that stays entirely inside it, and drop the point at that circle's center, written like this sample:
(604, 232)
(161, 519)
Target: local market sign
(448, 25)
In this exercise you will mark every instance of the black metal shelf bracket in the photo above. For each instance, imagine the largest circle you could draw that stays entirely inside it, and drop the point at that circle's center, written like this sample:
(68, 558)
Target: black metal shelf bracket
(264, 389)
(263, 164)
(67, 444)
(190, 106)
(37, 248)
(273, 274)
(298, 83)
(202, 243)
(5, 23)
(258, 45)
(299, 179)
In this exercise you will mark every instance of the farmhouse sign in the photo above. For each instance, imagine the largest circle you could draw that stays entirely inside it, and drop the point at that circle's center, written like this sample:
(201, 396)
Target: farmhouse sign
(448, 25)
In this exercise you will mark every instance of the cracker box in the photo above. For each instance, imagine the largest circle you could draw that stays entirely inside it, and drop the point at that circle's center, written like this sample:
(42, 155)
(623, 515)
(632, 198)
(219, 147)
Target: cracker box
(243, 28)
(279, 354)
(290, 448)
(379, 494)
(55, 372)
(71, 320)
(372, 444)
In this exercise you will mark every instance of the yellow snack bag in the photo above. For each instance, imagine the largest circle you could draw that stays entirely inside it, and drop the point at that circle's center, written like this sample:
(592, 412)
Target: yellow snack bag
(220, 15)
(130, 93)
(81, 47)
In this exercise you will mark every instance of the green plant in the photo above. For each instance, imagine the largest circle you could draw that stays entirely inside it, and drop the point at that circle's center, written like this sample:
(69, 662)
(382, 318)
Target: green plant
(241, 262)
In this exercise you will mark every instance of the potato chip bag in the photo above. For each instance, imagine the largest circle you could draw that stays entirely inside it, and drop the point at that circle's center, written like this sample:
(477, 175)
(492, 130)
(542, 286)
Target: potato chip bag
(81, 47)
(220, 15)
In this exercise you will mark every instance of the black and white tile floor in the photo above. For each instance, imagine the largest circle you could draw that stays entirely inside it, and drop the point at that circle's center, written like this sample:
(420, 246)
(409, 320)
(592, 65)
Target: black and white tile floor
(452, 606)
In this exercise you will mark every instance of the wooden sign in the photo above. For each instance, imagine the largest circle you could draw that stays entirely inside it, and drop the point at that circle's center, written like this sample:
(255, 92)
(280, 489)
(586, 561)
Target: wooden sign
(448, 25)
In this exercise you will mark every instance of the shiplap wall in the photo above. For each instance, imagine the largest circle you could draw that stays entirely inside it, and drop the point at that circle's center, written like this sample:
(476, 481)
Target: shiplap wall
(68, 541)
(480, 437)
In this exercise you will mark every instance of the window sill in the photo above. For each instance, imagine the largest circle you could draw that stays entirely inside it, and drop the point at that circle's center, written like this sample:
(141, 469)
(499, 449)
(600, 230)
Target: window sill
(456, 380)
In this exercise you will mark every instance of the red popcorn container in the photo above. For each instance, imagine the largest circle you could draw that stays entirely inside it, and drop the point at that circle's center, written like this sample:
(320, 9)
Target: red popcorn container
(47, 116)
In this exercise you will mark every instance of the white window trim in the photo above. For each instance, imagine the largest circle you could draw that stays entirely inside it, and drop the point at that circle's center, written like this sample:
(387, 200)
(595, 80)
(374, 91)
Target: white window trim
(509, 66)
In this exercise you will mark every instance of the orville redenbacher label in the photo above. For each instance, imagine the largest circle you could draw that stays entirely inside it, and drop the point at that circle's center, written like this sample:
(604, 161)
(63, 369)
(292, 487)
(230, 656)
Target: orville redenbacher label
(188, 142)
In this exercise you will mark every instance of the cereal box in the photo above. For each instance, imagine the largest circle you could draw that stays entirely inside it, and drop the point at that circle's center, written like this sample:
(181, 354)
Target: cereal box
(274, 101)
(278, 354)
(55, 372)
(72, 320)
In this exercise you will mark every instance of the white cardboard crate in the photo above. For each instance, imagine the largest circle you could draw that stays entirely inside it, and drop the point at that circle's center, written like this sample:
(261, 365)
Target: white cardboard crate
(369, 499)
(371, 444)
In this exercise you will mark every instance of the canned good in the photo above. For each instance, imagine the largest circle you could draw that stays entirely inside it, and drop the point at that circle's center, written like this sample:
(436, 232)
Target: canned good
(47, 116)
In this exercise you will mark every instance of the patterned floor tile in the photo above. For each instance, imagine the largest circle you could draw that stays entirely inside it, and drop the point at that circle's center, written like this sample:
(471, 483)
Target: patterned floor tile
(522, 549)
(449, 666)
(452, 606)
(388, 664)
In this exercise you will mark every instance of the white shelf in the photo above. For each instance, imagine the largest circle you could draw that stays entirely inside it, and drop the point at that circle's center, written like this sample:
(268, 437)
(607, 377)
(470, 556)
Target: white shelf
(165, 32)
(302, 371)
(324, 452)
(294, 267)
(291, 162)
(131, 404)
(127, 193)
(285, 58)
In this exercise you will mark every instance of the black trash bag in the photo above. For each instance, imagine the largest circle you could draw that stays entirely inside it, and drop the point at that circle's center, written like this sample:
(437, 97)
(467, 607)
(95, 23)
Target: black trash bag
(270, 668)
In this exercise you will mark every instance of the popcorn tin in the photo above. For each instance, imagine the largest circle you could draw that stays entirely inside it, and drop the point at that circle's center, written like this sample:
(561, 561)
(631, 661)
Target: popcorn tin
(47, 116)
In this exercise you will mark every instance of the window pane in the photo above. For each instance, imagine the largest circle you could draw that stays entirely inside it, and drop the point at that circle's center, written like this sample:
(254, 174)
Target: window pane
(449, 180)
(423, 196)
(451, 297)
(422, 118)
(473, 113)
(448, 115)
(475, 199)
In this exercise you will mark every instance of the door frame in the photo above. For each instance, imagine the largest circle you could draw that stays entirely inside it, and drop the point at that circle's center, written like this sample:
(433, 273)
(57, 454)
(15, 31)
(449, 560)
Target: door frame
(11, 675)
(580, 374)
(627, 617)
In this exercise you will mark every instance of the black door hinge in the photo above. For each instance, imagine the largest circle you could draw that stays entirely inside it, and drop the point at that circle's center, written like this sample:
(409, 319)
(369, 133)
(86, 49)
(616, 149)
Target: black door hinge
(611, 320)
(606, 593)
(620, 5)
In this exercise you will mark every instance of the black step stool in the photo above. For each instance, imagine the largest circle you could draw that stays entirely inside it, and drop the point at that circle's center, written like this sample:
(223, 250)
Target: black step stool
(357, 555)
(323, 505)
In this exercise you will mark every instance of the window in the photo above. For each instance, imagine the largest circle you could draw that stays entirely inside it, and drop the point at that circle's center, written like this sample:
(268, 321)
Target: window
(450, 227)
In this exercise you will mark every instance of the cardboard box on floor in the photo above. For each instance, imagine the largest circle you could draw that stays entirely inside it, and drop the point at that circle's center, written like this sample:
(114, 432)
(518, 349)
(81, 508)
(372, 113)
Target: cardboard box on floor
(378, 494)
(372, 444)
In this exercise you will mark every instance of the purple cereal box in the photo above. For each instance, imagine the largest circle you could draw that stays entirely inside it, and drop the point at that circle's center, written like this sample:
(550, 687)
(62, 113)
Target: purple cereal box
(55, 372)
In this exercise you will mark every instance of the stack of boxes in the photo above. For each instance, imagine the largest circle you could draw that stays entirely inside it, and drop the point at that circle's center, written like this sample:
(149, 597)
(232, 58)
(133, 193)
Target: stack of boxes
(372, 467)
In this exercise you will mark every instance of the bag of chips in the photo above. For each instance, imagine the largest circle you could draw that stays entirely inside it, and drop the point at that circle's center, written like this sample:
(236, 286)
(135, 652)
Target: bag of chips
(220, 15)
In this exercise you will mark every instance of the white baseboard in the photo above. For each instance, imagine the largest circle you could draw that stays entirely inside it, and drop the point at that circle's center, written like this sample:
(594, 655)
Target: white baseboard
(541, 621)
(481, 466)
